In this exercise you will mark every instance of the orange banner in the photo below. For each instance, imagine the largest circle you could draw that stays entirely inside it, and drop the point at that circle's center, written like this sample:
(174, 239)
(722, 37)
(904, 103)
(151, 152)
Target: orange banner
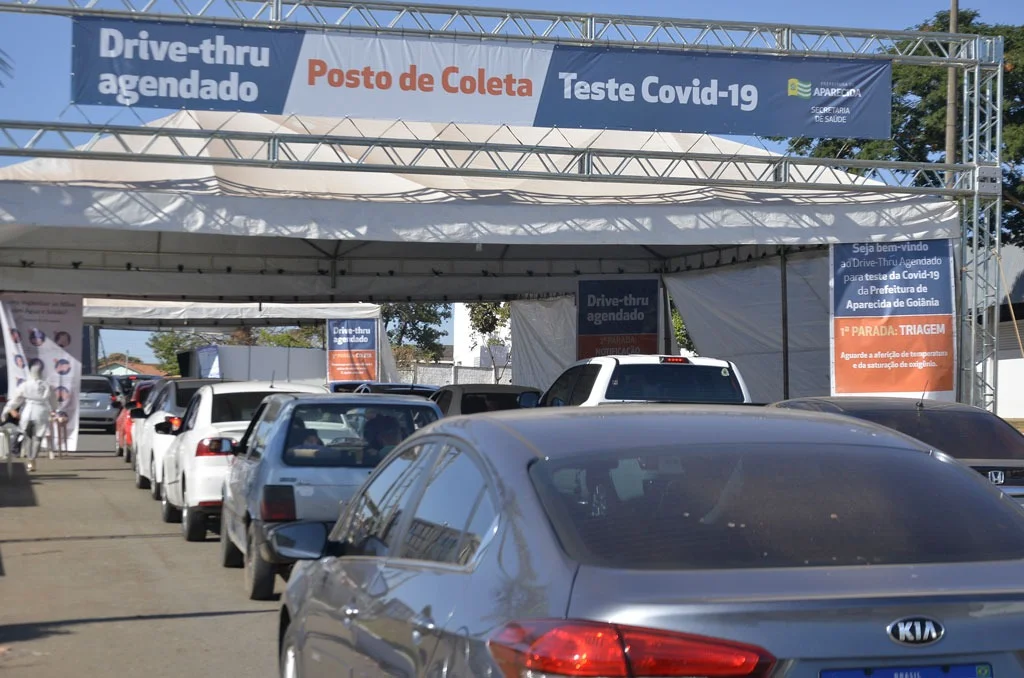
(594, 345)
(894, 354)
(352, 365)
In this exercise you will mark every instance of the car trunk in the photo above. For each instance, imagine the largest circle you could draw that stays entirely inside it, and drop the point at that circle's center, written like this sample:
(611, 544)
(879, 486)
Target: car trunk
(318, 490)
(820, 619)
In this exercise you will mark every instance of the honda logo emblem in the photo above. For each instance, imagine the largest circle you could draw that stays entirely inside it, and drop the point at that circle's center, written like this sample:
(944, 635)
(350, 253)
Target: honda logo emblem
(996, 477)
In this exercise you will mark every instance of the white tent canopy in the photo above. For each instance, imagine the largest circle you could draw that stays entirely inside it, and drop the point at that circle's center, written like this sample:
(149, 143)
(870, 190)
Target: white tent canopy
(232, 233)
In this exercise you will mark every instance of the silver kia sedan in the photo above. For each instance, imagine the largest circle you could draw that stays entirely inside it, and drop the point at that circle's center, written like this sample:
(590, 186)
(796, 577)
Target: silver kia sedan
(628, 541)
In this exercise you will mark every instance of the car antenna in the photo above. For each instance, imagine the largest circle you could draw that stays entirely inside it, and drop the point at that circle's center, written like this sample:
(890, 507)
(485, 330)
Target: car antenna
(273, 373)
(920, 403)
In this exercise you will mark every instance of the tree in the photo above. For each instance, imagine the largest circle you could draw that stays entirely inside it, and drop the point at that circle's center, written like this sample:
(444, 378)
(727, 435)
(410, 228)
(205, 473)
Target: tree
(486, 318)
(120, 359)
(167, 345)
(679, 329)
(919, 118)
(311, 336)
(417, 324)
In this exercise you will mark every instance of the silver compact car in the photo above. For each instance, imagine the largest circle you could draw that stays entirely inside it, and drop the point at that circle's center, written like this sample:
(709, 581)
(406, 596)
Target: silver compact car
(664, 541)
(301, 456)
(99, 403)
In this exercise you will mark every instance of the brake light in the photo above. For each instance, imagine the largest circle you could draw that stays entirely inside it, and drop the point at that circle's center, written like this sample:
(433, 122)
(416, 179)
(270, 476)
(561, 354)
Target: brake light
(212, 447)
(580, 648)
(113, 397)
(674, 359)
(278, 503)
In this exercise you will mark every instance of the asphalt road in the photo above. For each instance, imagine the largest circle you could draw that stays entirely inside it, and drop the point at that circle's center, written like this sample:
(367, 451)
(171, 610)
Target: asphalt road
(92, 583)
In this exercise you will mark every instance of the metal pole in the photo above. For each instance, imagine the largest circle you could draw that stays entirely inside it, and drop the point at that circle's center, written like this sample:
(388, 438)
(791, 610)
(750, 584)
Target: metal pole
(785, 327)
(669, 327)
(951, 95)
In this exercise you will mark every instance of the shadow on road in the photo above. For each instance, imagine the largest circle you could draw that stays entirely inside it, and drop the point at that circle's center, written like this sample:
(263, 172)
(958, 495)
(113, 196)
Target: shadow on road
(16, 491)
(36, 540)
(20, 633)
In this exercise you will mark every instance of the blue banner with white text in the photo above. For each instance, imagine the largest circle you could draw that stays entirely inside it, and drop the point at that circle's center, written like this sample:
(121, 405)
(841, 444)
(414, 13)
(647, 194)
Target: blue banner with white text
(287, 71)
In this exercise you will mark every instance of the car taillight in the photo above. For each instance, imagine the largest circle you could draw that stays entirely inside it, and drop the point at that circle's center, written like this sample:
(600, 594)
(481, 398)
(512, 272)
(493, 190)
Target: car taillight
(674, 359)
(278, 503)
(212, 447)
(113, 398)
(580, 648)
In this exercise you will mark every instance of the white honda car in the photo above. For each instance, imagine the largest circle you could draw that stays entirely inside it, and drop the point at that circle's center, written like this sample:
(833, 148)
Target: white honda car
(195, 465)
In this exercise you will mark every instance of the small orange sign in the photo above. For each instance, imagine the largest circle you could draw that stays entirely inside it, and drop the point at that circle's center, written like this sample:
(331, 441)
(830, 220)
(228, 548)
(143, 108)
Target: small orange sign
(352, 365)
(894, 354)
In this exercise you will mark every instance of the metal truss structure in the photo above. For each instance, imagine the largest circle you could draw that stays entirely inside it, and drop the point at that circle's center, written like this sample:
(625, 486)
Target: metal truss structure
(975, 182)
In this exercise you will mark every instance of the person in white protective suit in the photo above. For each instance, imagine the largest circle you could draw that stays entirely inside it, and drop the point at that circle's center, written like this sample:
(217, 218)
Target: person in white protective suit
(35, 401)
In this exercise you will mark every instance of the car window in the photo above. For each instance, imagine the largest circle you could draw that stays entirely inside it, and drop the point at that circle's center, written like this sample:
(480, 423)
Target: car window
(96, 385)
(473, 403)
(142, 392)
(584, 385)
(368, 527)
(963, 434)
(236, 406)
(562, 388)
(262, 430)
(191, 413)
(453, 514)
(350, 434)
(674, 382)
(444, 401)
(774, 506)
(183, 395)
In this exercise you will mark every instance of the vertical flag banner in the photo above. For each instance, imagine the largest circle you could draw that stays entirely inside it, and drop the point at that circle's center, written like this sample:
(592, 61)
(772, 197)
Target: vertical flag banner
(352, 350)
(46, 328)
(617, 317)
(893, 319)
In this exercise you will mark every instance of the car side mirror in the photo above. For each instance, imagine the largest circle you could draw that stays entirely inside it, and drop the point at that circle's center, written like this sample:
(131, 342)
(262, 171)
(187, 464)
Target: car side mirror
(169, 426)
(138, 413)
(298, 541)
(528, 399)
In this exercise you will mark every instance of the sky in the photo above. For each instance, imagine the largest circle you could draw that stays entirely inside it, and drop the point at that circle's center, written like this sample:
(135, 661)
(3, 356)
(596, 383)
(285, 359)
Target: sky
(40, 49)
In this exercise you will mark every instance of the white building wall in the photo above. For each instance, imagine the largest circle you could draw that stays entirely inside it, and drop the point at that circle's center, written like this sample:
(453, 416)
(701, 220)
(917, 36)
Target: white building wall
(466, 343)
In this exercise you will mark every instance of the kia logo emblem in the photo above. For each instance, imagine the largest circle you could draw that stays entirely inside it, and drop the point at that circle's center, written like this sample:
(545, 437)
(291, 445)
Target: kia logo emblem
(997, 477)
(916, 631)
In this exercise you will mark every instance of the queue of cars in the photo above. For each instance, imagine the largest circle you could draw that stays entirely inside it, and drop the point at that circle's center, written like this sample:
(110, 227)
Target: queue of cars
(637, 518)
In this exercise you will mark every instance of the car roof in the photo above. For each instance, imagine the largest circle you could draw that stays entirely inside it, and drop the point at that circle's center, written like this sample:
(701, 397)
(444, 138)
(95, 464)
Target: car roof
(488, 388)
(368, 398)
(881, 403)
(256, 386)
(654, 359)
(193, 383)
(560, 432)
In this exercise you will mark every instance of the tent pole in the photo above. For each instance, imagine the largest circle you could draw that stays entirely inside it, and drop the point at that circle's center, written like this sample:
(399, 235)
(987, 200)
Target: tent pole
(667, 320)
(785, 326)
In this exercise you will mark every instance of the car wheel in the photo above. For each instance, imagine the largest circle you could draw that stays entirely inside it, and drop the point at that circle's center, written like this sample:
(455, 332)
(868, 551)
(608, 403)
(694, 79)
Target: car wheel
(154, 486)
(259, 574)
(230, 556)
(168, 511)
(193, 523)
(140, 482)
(289, 663)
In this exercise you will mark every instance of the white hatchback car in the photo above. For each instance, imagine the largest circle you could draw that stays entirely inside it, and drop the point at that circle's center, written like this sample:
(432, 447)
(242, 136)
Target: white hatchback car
(197, 462)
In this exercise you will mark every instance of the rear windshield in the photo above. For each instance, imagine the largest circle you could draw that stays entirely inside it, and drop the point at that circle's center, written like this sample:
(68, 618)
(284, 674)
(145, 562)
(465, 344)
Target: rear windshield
(184, 395)
(141, 391)
(93, 385)
(473, 403)
(685, 383)
(237, 406)
(350, 434)
(771, 506)
(964, 435)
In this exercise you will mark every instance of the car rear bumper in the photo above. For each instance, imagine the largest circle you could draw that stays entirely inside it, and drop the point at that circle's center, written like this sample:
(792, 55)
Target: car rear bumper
(204, 485)
(94, 418)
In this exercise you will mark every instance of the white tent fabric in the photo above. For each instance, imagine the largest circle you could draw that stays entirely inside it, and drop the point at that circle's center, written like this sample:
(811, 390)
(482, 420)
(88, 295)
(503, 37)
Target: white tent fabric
(733, 313)
(543, 339)
(74, 225)
(154, 314)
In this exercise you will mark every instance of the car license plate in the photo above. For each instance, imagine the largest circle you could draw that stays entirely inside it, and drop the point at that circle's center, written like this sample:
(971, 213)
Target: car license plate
(954, 671)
